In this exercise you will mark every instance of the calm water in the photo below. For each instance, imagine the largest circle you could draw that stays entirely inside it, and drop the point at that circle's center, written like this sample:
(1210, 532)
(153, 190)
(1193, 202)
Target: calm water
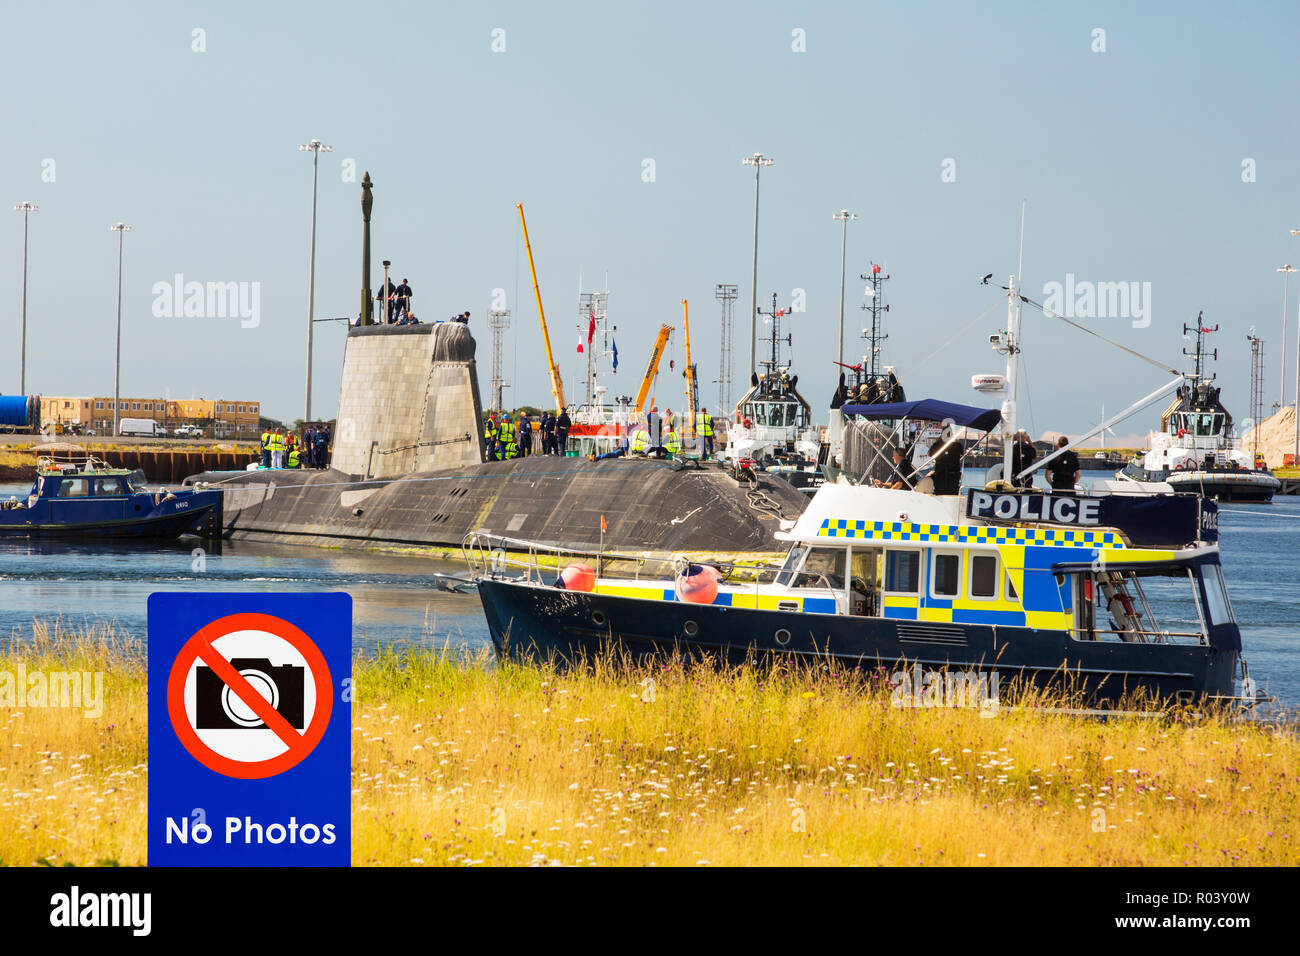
(396, 601)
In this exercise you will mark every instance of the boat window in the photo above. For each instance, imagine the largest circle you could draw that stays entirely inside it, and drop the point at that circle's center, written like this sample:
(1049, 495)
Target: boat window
(983, 575)
(945, 575)
(862, 582)
(74, 488)
(1011, 588)
(902, 571)
(1216, 595)
(109, 486)
(824, 566)
(792, 561)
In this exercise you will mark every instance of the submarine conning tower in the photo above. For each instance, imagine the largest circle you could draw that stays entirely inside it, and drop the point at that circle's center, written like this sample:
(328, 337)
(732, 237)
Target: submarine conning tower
(408, 401)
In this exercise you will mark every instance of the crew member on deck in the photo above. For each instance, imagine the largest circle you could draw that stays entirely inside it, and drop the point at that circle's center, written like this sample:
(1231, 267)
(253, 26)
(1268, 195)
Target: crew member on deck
(1063, 470)
(904, 472)
(525, 435)
(704, 429)
(947, 466)
(562, 425)
(1023, 454)
(402, 307)
(385, 300)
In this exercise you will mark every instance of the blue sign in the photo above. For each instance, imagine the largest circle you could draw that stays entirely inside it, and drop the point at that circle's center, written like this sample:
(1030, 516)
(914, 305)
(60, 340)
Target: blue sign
(250, 729)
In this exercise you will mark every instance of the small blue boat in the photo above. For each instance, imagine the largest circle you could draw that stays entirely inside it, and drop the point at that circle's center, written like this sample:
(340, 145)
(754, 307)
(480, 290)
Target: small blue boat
(87, 498)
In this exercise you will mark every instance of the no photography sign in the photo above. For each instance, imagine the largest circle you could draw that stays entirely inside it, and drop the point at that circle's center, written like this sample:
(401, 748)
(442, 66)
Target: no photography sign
(249, 720)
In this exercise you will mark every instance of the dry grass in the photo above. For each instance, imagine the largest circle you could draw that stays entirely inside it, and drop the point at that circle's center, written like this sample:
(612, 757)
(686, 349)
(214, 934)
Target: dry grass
(464, 762)
(73, 789)
(479, 764)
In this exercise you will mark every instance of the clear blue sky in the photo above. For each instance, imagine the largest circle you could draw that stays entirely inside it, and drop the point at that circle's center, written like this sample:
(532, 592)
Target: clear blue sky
(1131, 162)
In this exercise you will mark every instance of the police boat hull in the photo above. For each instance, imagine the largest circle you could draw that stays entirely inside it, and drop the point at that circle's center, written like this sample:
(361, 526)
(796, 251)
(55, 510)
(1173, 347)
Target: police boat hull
(535, 623)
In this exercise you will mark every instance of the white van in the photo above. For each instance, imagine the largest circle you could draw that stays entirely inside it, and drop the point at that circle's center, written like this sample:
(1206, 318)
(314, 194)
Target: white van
(144, 427)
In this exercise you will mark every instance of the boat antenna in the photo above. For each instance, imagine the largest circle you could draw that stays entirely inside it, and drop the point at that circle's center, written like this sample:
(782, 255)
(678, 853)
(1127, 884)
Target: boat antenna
(875, 293)
(1200, 353)
(1010, 344)
(1020, 263)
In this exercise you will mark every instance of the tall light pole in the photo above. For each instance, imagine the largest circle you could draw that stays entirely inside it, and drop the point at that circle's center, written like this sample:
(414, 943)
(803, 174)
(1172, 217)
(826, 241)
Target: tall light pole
(315, 147)
(844, 216)
(121, 229)
(1296, 449)
(26, 209)
(758, 161)
(1286, 279)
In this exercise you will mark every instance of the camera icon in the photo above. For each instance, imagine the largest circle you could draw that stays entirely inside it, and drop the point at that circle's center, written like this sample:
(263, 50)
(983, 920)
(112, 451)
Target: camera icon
(217, 707)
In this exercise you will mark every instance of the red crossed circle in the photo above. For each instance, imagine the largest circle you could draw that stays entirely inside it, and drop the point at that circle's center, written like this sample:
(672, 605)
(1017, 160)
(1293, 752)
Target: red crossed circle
(200, 647)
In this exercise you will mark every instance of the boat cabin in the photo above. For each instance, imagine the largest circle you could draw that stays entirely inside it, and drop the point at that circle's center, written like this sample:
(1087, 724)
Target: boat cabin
(915, 557)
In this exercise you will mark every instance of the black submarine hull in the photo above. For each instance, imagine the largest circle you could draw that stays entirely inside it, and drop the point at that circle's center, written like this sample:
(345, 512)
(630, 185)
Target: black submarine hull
(648, 506)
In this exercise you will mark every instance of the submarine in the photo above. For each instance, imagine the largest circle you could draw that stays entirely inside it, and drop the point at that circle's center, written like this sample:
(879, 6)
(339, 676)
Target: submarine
(408, 466)
(407, 470)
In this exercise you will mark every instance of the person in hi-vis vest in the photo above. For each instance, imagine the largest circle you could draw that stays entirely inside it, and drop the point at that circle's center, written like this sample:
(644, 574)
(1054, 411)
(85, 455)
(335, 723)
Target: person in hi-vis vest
(704, 430)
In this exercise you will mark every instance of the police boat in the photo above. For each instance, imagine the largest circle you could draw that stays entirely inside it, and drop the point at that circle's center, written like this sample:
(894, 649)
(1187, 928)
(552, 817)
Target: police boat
(1101, 594)
(87, 498)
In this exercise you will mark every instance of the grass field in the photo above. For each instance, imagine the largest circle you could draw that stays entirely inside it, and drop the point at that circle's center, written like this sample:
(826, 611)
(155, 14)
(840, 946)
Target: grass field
(463, 762)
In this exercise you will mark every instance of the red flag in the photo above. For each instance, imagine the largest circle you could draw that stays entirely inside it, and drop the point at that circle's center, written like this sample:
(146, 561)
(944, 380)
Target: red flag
(579, 345)
(591, 329)
(603, 527)
(875, 269)
(780, 312)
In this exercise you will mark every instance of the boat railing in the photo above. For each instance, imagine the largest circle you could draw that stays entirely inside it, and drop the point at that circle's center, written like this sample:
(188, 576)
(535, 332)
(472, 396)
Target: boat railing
(495, 555)
(69, 461)
(500, 557)
(1138, 635)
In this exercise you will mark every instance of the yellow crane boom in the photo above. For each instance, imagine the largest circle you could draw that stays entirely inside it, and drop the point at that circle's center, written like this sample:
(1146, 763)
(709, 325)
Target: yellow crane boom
(557, 385)
(652, 369)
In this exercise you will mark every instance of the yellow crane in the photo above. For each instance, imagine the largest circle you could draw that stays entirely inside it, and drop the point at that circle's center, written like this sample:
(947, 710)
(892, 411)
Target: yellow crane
(692, 386)
(557, 385)
(652, 370)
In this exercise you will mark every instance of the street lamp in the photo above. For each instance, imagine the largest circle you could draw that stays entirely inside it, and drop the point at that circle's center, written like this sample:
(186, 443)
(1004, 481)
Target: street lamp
(315, 147)
(1286, 279)
(121, 229)
(758, 161)
(844, 216)
(1296, 450)
(26, 209)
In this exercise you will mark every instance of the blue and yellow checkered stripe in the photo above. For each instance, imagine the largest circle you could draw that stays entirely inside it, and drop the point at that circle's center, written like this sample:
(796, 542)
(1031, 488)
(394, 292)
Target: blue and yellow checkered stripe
(904, 531)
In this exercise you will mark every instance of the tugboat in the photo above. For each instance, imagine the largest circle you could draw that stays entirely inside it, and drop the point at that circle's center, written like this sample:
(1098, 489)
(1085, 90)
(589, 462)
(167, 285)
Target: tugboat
(86, 498)
(1195, 449)
(772, 429)
(1085, 592)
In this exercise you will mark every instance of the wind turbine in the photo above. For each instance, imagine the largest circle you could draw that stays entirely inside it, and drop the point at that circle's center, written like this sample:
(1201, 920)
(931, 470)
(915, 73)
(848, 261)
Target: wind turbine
(1101, 438)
